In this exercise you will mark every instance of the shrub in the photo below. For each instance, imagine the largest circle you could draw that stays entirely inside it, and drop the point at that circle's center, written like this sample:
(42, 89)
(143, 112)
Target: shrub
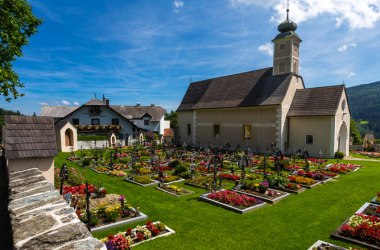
(180, 169)
(277, 180)
(86, 162)
(339, 155)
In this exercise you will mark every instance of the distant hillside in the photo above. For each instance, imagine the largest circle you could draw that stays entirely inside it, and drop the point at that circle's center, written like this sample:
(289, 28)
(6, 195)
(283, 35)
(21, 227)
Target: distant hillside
(4, 112)
(365, 106)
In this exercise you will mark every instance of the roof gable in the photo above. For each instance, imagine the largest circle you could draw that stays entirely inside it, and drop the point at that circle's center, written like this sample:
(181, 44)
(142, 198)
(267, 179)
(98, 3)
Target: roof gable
(94, 102)
(316, 101)
(253, 88)
(29, 137)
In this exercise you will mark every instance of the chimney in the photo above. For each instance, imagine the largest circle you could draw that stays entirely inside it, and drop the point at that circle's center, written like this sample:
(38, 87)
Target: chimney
(152, 104)
(106, 101)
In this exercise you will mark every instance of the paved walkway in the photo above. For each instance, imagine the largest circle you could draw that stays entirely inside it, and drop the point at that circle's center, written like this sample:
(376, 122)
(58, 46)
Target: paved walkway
(349, 158)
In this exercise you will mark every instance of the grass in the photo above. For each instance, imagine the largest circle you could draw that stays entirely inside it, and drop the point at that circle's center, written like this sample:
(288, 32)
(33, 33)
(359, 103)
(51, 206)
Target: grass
(294, 223)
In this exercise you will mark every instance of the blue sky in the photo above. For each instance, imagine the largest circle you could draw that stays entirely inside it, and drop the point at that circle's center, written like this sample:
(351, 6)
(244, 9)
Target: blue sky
(147, 51)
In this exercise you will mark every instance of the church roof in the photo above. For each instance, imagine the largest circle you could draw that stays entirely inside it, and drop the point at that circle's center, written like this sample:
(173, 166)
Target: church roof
(57, 111)
(137, 112)
(29, 137)
(253, 88)
(316, 101)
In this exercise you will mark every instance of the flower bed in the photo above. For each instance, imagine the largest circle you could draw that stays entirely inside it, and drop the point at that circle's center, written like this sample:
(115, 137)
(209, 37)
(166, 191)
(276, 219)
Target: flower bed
(174, 190)
(271, 195)
(322, 245)
(369, 209)
(343, 168)
(73, 158)
(120, 166)
(170, 179)
(304, 181)
(143, 180)
(199, 181)
(230, 177)
(361, 229)
(132, 237)
(233, 201)
(100, 170)
(117, 173)
(292, 188)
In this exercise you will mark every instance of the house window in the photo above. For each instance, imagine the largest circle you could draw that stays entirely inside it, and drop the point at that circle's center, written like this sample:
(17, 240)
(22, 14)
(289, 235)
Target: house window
(95, 110)
(309, 139)
(121, 137)
(247, 132)
(95, 121)
(216, 130)
(282, 46)
(188, 129)
(146, 122)
(75, 121)
(281, 67)
(115, 121)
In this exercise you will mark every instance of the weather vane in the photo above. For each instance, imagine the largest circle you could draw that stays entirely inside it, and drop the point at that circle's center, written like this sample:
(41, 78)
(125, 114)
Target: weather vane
(287, 9)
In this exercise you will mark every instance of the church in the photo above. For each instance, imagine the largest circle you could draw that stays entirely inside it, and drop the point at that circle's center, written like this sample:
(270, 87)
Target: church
(266, 107)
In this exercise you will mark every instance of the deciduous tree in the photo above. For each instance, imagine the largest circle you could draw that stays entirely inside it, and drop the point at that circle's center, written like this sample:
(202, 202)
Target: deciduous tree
(17, 24)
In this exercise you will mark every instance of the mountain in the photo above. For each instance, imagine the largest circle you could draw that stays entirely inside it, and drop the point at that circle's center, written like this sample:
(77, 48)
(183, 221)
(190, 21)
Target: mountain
(364, 103)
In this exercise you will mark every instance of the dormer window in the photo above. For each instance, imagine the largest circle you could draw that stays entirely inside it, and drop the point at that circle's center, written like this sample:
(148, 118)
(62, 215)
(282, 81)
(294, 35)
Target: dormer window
(146, 122)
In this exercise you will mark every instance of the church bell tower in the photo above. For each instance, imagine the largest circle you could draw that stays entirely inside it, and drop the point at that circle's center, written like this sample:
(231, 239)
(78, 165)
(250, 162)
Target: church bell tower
(286, 48)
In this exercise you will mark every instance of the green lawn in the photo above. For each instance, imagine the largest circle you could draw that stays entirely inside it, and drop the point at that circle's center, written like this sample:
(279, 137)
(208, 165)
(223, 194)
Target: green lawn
(294, 223)
(355, 155)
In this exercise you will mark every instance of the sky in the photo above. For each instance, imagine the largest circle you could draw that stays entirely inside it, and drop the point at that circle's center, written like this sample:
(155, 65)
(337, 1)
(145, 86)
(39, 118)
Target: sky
(148, 51)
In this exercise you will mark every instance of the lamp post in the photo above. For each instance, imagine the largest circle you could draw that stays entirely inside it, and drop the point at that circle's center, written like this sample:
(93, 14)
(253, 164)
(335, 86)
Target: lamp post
(215, 161)
(88, 214)
(64, 175)
(243, 164)
(265, 165)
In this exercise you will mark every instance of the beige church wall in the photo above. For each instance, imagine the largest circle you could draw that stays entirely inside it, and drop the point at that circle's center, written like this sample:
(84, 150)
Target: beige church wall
(61, 142)
(342, 117)
(282, 123)
(321, 127)
(184, 118)
(232, 121)
(46, 165)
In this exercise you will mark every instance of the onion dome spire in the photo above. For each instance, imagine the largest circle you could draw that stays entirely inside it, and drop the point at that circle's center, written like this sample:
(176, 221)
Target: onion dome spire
(287, 25)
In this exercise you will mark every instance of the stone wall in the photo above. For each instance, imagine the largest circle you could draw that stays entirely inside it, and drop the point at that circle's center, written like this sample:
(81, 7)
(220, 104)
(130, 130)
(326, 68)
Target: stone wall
(41, 219)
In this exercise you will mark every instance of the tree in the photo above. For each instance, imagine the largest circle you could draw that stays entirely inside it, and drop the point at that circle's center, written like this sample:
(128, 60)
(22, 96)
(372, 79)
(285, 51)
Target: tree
(354, 133)
(17, 24)
(172, 117)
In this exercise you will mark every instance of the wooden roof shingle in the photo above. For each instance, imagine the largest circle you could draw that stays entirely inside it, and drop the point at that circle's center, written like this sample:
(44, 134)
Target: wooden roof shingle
(321, 101)
(29, 137)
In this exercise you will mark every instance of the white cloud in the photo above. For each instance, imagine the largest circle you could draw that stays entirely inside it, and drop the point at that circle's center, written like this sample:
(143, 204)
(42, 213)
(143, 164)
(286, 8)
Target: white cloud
(76, 103)
(178, 5)
(357, 14)
(267, 48)
(351, 74)
(344, 47)
(43, 103)
(65, 102)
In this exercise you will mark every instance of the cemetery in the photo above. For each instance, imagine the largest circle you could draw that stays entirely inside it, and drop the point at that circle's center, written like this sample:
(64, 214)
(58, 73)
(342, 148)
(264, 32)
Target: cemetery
(190, 188)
